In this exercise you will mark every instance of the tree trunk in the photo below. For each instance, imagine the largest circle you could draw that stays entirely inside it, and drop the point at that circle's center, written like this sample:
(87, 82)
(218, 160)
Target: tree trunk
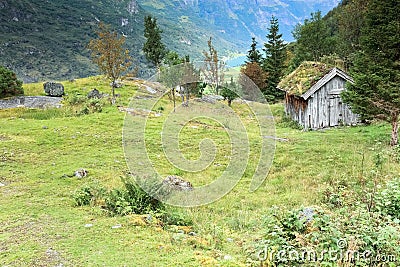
(113, 93)
(395, 129)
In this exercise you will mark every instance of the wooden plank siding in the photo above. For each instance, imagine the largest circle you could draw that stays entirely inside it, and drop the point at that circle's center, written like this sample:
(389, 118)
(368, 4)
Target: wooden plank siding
(323, 108)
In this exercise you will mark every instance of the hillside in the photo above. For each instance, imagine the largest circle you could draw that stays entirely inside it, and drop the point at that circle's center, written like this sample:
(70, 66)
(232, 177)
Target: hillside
(46, 39)
(335, 173)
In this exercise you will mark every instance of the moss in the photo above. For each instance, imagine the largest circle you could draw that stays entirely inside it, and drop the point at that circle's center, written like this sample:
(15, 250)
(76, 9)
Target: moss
(304, 77)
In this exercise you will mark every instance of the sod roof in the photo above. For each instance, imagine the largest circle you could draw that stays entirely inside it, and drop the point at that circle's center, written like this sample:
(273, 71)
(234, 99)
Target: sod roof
(304, 77)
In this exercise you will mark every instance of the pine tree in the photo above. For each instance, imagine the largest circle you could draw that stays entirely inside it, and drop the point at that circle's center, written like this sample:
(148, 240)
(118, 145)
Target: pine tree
(376, 72)
(275, 51)
(153, 48)
(229, 92)
(9, 83)
(254, 55)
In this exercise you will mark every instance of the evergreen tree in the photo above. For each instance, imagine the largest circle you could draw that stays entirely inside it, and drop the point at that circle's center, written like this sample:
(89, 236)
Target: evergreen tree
(229, 92)
(376, 72)
(274, 63)
(254, 55)
(153, 48)
(313, 40)
(9, 84)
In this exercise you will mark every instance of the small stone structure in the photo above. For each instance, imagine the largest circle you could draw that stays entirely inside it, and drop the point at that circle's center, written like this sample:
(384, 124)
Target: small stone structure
(53, 89)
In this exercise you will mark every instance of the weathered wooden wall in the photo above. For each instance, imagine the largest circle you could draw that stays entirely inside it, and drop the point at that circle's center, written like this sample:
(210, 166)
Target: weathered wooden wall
(324, 108)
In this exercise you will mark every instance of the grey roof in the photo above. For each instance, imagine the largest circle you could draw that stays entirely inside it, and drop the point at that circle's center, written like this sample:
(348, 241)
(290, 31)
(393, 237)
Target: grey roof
(334, 72)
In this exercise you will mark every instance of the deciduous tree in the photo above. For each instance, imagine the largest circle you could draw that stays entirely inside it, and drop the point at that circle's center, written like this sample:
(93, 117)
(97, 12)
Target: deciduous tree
(108, 52)
(214, 68)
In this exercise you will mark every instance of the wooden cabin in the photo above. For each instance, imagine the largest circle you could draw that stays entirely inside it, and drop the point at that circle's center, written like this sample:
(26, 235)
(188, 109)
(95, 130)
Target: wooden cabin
(313, 96)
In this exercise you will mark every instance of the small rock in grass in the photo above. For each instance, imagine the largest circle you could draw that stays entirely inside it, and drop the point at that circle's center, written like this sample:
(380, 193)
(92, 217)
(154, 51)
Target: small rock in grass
(116, 226)
(88, 225)
(227, 257)
(230, 240)
(1, 185)
(192, 233)
(177, 183)
(81, 173)
(45, 127)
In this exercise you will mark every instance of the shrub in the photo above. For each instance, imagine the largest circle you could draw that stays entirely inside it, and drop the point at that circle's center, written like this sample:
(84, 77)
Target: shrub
(342, 230)
(89, 194)
(134, 199)
(388, 200)
(9, 84)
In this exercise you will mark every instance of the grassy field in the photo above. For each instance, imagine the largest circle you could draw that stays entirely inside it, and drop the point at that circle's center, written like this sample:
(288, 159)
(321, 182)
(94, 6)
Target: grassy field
(40, 149)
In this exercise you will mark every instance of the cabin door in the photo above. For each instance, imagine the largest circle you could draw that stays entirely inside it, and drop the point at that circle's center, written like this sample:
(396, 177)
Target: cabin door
(334, 101)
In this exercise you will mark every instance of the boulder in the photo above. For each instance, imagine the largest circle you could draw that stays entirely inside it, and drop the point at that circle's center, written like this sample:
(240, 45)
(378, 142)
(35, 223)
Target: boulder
(53, 89)
(95, 94)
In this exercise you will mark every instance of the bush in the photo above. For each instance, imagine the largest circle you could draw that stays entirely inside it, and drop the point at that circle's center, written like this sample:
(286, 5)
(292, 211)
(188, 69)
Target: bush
(9, 84)
(83, 105)
(288, 232)
(133, 199)
(90, 194)
(388, 200)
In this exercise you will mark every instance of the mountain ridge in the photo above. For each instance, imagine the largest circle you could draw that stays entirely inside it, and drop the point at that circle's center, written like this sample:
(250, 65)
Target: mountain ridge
(42, 40)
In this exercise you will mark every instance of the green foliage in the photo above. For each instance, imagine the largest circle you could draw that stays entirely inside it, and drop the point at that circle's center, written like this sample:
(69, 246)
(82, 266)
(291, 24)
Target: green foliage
(108, 53)
(375, 92)
(254, 55)
(388, 200)
(89, 194)
(153, 48)
(82, 105)
(313, 40)
(133, 198)
(229, 91)
(9, 84)
(274, 62)
(171, 216)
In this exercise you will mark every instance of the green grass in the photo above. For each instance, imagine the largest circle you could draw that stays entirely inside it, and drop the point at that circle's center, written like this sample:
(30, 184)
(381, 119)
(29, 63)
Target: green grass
(40, 226)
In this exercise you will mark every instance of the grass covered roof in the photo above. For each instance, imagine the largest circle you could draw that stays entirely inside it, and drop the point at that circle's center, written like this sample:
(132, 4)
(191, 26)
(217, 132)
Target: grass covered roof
(304, 77)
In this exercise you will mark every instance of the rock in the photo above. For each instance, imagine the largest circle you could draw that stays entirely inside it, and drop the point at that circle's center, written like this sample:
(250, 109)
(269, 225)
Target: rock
(228, 257)
(53, 89)
(116, 226)
(307, 214)
(88, 225)
(81, 173)
(31, 102)
(45, 127)
(1, 185)
(95, 94)
(177, 183)
(117, 84)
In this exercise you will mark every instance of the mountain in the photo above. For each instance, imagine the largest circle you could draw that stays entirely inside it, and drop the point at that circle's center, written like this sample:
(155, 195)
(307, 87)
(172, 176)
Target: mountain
(43, 40)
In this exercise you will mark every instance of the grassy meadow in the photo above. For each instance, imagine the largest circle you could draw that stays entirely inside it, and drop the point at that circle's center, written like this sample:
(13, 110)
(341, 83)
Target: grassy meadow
(41, 225)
